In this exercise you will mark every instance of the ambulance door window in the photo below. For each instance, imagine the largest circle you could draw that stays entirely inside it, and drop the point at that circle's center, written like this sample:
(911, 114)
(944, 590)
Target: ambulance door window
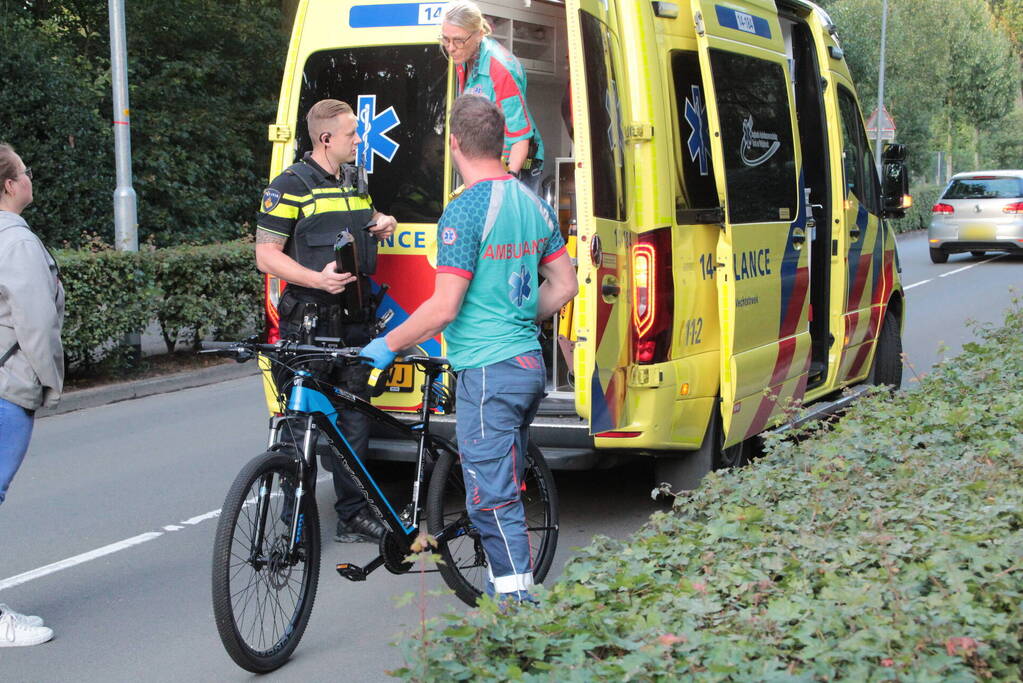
(607, 138)
(857, 163)
(756, 136)
(696, 188)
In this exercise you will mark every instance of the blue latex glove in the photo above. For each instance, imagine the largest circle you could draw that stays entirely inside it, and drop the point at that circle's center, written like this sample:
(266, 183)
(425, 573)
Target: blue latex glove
(377, 354)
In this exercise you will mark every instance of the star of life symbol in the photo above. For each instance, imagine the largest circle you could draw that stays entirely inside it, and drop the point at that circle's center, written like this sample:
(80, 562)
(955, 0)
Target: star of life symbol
(696, 117)
(519, 285)
(373, 128)
(615, 134)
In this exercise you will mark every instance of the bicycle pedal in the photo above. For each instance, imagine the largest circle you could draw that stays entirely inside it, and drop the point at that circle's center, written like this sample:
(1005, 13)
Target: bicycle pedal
(352, 572)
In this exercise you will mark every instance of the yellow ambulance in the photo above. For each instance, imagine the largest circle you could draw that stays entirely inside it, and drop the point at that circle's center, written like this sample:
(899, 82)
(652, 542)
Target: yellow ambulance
(713, 179)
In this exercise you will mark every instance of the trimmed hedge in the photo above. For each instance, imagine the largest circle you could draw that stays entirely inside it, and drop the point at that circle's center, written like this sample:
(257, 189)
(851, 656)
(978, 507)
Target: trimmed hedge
(886, 547)
(199, 291)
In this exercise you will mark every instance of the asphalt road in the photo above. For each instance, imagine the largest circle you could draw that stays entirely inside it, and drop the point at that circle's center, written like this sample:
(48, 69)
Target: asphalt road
(108, 527)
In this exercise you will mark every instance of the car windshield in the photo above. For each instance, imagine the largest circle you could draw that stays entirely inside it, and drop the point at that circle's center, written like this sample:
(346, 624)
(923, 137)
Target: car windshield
(399, 94)
(985, 188)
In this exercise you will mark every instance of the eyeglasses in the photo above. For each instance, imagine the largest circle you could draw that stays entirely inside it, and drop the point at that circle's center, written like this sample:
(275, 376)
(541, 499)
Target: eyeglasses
(28, 172)
(457, 43)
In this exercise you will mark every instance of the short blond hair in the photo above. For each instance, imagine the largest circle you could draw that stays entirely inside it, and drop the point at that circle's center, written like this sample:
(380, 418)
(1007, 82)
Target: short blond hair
(8, 165)
(466, 15)
(321, 114)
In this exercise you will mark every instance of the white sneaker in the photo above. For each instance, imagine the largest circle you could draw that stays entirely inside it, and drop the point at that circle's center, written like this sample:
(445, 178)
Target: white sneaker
(26, 619)
(14, 633)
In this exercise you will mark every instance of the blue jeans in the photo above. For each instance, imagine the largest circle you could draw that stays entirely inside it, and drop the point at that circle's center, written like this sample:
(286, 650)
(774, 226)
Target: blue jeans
(496, 404)
(15, 432)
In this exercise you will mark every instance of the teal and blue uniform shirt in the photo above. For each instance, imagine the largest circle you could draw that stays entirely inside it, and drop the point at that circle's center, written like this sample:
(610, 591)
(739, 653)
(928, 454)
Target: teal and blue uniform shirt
(496, 234)
(497, 75)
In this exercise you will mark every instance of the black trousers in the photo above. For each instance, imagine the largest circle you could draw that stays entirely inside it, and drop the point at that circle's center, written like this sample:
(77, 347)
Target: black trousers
(355, 426)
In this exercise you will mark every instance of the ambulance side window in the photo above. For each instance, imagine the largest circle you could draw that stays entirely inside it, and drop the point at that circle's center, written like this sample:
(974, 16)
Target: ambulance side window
(857, 160)
(697, 188)
(756, 137)
(607, 137)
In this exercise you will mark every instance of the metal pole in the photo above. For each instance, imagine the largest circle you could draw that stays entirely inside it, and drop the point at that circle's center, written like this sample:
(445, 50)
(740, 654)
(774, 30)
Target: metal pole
(126, 224)
(880, 86)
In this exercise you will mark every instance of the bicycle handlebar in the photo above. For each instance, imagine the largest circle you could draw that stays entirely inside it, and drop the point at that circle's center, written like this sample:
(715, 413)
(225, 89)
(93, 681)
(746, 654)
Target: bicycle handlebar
(244, 350)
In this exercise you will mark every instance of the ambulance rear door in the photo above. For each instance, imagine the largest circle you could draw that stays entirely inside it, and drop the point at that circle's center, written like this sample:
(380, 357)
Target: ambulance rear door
(762, 275)
(603, 195)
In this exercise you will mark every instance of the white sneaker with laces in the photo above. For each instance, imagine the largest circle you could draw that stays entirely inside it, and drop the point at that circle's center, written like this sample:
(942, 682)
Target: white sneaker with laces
(26, 619)
(14, 633)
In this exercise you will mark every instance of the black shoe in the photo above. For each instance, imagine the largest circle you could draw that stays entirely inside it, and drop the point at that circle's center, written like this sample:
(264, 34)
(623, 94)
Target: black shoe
(362, 528)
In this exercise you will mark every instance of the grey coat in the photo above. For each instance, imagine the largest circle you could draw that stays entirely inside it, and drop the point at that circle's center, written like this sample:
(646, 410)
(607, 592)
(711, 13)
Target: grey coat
(31, 313)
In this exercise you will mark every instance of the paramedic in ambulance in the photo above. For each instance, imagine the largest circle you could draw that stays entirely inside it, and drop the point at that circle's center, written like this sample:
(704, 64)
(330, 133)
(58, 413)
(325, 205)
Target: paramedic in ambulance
(494, 242)
(484, 67)
(301, 215)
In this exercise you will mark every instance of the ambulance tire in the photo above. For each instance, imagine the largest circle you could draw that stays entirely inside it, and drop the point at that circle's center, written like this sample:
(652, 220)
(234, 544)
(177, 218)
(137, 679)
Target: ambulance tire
(939, 255)
(887, 368)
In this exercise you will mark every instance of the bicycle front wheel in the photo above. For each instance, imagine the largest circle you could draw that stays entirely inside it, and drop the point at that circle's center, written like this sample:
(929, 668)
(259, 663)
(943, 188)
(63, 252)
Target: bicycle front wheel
(464, 565)
(262, 593)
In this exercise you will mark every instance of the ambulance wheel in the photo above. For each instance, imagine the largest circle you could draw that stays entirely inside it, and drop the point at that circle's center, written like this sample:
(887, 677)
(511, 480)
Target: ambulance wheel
(887, 368)
(737, 455)
(938, 255)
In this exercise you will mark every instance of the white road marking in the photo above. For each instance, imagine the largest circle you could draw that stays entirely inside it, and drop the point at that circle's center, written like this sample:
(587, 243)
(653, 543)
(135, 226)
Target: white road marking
(78, 559)
(40, 572)
(957, 270)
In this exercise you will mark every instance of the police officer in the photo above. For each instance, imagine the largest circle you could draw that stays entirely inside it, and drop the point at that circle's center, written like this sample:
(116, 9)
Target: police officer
(301, 214)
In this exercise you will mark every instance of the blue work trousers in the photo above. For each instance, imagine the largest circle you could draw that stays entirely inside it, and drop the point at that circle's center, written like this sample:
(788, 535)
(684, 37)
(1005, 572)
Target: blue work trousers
(495, 405)
(15, 432)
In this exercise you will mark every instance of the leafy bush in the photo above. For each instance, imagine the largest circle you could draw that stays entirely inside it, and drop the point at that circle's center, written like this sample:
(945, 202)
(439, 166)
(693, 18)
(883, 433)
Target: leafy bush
(210, 290)
(207, 290)
(919, 215)
(889, 547)
(109, 294)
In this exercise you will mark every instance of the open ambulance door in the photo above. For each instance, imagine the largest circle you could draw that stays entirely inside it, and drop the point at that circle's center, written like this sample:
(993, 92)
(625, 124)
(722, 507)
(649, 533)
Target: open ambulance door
(762, 253)
(602, 313)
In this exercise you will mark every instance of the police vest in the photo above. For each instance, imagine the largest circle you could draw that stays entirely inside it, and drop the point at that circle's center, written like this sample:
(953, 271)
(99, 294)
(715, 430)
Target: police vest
(325, 211)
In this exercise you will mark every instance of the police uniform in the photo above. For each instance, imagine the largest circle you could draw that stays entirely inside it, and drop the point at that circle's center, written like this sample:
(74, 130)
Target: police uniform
(309, 207)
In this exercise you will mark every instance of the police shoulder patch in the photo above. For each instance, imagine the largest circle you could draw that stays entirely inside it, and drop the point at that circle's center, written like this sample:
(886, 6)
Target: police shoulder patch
(271, 198)
(448, 235)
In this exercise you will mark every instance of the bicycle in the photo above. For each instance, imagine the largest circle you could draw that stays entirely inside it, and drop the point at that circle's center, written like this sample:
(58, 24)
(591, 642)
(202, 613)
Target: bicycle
(266, 551)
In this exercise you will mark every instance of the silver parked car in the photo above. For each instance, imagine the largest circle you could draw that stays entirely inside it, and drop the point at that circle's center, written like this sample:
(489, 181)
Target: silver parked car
(979, 211)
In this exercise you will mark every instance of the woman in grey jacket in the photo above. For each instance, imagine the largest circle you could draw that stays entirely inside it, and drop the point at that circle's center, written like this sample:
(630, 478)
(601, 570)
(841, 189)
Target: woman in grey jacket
(31, 315)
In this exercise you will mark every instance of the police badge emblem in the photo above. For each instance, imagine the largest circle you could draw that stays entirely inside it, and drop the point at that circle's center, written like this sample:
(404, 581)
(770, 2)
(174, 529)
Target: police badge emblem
(271, 198)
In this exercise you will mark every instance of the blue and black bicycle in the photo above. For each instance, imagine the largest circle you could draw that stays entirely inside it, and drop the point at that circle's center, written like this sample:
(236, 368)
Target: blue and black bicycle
(266, 556)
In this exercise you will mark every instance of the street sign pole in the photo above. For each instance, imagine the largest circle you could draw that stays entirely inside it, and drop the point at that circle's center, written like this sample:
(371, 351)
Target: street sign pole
(126, 224)
(880, 86)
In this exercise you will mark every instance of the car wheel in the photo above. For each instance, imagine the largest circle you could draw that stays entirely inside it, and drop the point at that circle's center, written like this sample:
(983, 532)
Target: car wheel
(938, 255)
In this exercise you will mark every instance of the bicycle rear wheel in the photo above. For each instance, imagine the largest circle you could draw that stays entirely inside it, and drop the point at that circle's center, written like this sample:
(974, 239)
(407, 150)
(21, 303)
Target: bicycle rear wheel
(262, 597)
(461, 549)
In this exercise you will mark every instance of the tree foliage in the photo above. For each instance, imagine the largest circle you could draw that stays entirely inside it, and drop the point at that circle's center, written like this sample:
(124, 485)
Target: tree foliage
(952, 73)
(204, 78)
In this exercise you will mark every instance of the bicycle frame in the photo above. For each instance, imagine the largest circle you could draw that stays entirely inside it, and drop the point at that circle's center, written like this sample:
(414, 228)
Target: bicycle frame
(320, 414)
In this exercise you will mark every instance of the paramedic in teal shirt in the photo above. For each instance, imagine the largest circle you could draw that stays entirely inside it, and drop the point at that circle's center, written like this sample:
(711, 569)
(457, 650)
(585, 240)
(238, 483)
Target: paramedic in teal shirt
(485, 68)
(494, 242)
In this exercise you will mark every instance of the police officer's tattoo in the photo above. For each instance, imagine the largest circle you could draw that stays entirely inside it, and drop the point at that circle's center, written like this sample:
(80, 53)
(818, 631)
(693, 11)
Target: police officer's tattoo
(264, 237)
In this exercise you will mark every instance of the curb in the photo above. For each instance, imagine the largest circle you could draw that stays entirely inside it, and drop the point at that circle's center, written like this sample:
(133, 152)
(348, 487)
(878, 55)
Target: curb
(126, 391)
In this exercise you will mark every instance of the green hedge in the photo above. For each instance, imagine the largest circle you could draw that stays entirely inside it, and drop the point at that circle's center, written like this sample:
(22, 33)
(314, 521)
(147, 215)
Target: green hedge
(202, 291)
(888, 548)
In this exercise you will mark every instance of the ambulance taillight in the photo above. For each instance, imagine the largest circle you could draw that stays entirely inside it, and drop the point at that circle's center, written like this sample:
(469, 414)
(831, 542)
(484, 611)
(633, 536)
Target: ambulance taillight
(653, 296)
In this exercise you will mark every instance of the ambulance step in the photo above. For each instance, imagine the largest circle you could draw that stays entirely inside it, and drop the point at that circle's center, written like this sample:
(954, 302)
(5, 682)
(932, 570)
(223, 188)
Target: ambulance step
(821, 409)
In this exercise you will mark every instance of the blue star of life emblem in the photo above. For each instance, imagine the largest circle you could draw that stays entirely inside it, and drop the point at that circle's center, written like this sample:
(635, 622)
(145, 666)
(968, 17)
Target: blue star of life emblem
(519, 286)
(373, 128)
(696, 117)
